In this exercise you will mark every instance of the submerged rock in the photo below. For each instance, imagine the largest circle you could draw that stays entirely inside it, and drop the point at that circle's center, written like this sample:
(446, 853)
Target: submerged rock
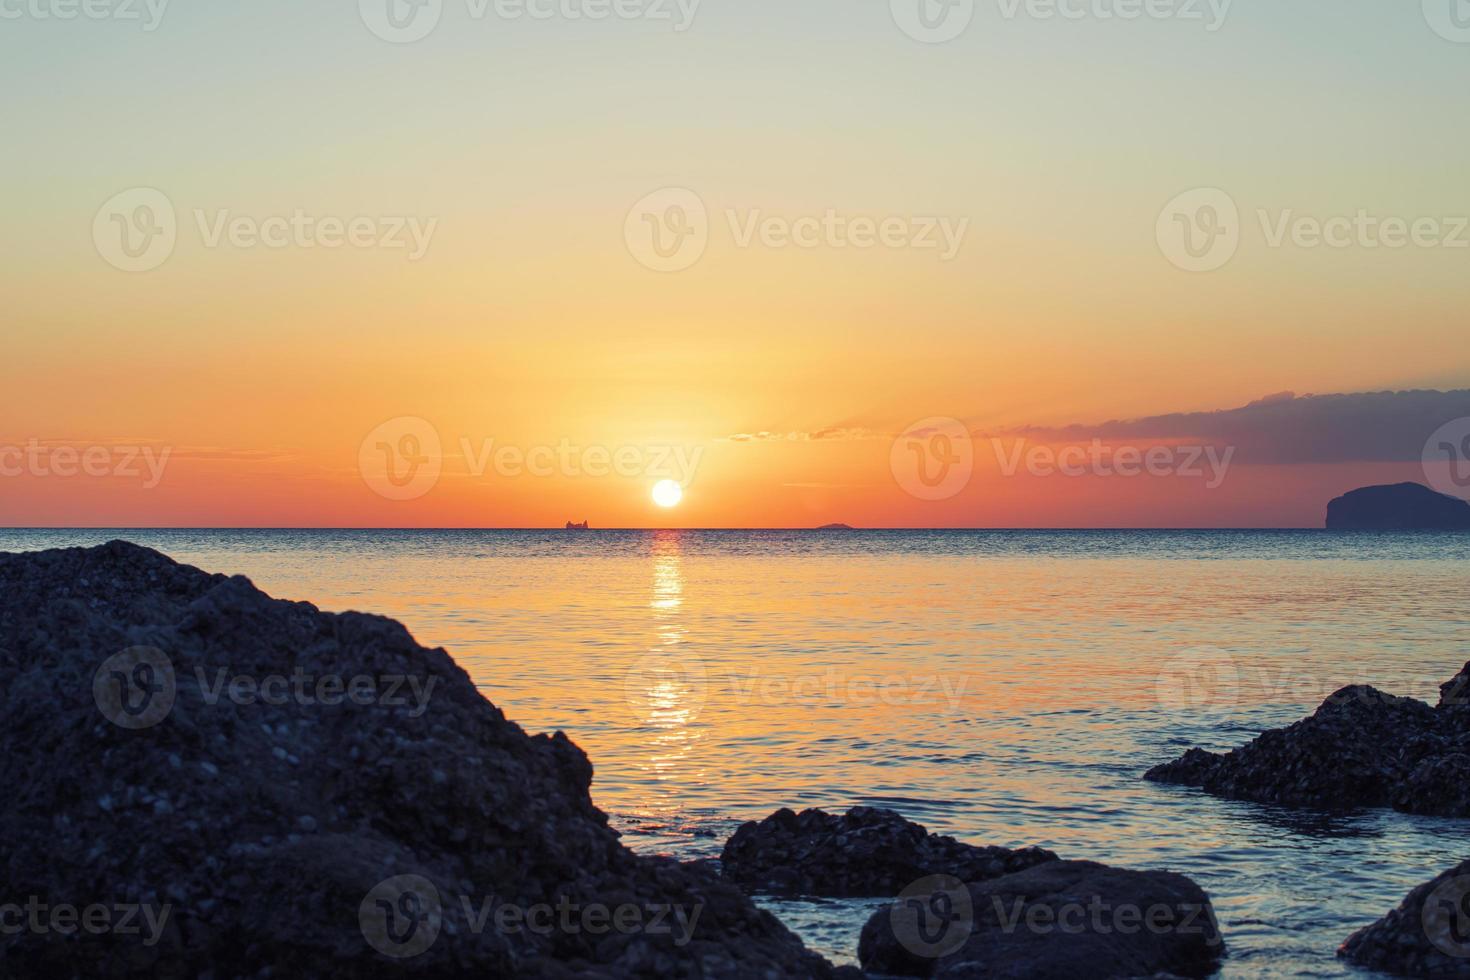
(864, 853)
(257, 787)
(1362, 748)
(1063, 920)
(1400, 507)
(1428, 935)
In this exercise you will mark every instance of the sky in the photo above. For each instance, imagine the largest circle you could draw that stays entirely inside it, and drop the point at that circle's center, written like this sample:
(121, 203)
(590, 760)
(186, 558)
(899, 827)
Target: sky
(322, 266)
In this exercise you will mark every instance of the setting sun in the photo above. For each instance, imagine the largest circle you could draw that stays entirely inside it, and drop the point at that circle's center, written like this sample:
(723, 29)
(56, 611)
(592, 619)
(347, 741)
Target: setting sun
(667, 493)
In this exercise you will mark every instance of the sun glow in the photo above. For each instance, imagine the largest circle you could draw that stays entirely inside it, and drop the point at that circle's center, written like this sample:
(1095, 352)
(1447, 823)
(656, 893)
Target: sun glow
(667, 493)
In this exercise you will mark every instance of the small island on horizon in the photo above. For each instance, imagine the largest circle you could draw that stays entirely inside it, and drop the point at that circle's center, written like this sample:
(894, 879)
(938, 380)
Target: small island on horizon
(1397, 507)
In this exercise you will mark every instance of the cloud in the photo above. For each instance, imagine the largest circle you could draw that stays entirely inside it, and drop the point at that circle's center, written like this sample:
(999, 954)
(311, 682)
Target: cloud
(214, 454)
(826, 486)
(205, 453)
(830, 434)
(1383, 426)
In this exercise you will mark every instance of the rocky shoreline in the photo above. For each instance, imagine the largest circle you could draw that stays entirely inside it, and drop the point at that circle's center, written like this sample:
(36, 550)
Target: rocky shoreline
(864, 853)
(1361, 748)
(1428, 935)
(258, 788)
(317, 819)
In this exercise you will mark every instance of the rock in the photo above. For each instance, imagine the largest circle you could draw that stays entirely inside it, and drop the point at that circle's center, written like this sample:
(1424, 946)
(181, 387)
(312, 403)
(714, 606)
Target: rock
(277, 829)
(864, 853)
(1063, 920)
(1454, 695)
(1362, 748)
(1428, 935)
(1400, 507)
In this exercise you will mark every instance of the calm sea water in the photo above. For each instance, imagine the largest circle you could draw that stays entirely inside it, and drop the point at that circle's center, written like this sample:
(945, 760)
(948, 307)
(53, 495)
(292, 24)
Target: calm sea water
(1006, 688)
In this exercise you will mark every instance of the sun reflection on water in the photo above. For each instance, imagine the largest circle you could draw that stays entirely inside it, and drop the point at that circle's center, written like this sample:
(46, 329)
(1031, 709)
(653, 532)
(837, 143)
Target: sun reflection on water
(675, 690)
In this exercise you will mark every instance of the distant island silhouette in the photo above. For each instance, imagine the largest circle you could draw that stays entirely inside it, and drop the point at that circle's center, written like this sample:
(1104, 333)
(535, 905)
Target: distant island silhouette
(1398, 507)
(584, 526)
(836, 527)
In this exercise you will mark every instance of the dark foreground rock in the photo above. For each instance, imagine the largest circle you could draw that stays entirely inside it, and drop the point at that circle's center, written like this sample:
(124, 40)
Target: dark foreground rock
(1063, 920)
(1400, 507)
(863, 853)
(1362, 748)
(1426, 936)
(354, 807)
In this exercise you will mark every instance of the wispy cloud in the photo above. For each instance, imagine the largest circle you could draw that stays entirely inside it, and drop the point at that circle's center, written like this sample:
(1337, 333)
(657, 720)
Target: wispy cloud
(1376, 426)
(1383, 426)
(827, 486)
(205, 453)
(215, 454)
(830, 434)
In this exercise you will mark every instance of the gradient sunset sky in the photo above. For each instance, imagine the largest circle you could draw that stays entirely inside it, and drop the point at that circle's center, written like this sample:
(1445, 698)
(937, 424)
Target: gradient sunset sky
(788, 372)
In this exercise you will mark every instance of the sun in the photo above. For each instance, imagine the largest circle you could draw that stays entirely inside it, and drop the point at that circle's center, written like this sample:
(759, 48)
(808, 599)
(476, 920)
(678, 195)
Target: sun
(667, 493)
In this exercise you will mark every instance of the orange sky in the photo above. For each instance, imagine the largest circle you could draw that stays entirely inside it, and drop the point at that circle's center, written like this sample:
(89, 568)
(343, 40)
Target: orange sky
(865, 478)
(531, 313)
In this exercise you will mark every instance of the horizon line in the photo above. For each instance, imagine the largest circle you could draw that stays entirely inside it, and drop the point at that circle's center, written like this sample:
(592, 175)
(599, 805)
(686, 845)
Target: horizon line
(804, 528)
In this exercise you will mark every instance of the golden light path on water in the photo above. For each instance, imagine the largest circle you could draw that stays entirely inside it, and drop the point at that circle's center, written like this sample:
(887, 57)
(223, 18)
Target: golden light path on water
(673, 695)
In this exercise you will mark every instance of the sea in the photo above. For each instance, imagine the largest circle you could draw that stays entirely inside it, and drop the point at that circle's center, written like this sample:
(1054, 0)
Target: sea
(1006, 688)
